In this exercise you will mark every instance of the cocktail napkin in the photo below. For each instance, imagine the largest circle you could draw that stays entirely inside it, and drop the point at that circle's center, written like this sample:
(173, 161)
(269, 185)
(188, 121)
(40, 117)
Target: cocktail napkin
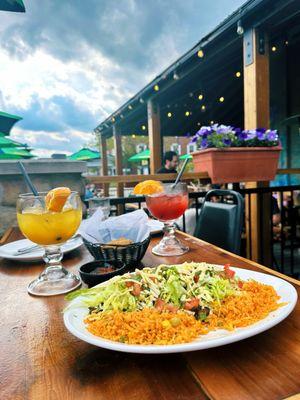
(131, 226)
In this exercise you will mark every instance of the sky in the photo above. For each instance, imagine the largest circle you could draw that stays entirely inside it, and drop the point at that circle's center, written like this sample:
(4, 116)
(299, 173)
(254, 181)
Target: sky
(68, 64)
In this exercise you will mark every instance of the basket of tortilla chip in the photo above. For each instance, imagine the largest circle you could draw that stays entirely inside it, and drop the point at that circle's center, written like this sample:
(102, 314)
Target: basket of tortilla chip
(124, 238)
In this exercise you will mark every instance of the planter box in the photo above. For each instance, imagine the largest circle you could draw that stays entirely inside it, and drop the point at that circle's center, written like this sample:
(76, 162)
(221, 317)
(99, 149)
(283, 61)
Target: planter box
(238, 164)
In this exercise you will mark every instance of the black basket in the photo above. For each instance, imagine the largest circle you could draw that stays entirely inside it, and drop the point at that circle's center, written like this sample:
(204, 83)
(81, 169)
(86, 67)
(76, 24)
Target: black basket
(130, 255)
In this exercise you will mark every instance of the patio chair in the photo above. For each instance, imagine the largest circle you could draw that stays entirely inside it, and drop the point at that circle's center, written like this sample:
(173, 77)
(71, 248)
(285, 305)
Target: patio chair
(221, 223)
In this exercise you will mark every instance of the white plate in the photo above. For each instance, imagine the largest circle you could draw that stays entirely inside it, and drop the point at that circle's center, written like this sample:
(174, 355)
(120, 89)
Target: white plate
(74, 316)
(8, 250)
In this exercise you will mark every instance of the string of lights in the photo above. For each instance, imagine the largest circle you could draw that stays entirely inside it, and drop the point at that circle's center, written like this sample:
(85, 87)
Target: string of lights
(198, 91)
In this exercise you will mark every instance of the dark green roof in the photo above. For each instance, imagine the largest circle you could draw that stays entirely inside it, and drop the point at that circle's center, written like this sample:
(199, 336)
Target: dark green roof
(5, 142)
(13, 153)
(12, 5)
(7, 121)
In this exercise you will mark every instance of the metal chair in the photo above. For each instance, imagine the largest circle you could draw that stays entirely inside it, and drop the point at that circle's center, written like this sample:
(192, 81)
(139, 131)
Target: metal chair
(221, 223)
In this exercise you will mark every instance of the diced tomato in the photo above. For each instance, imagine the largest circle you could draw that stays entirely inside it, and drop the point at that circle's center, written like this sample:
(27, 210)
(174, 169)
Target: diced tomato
(171, 308)
(190, 304)
(196, 278)
(228, 272)
(129, 284)
(159, 304)
(136, 291)
(240, 284)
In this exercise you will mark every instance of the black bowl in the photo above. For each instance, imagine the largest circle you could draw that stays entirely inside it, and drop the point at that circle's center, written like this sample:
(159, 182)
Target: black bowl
(94, 272)
(130, 255)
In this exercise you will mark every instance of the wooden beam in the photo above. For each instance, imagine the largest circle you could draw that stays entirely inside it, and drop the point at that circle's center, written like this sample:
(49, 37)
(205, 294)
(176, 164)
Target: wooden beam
(118, 157)
(154, 136)
(103, 152)
(257, 115)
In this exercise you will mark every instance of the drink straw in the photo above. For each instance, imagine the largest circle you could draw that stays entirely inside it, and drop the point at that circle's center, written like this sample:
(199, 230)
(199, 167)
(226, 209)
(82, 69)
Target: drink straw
(180, 173)
(27, 179)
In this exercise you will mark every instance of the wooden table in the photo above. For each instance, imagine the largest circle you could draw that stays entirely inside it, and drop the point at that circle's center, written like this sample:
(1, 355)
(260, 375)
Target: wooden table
(40, 359)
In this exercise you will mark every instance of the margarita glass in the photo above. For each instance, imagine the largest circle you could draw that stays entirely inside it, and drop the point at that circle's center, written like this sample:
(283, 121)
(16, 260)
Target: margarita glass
(167, 206)
(50, 229)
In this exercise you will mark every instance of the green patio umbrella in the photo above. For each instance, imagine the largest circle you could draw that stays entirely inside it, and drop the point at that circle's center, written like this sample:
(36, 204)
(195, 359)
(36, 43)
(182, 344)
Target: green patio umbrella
(84, 154)
(143, 155)
(12, 5)
(5, 142)
(7, 121)
(185, 156)
(11, 153)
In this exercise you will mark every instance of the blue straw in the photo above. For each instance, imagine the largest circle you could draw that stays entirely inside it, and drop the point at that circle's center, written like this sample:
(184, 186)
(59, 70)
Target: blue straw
(27, 179)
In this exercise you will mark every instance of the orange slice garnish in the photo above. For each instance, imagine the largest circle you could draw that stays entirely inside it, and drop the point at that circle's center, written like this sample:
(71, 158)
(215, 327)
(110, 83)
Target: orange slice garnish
(56, 198)
(148, 187)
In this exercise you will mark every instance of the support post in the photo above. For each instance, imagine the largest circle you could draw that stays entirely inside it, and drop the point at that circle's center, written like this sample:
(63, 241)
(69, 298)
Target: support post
(118, 160)
(257, 115)
(154, 136)
(103, 152)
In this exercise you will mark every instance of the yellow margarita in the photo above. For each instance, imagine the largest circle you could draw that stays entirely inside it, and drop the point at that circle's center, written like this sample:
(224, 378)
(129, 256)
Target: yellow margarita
(47, 227)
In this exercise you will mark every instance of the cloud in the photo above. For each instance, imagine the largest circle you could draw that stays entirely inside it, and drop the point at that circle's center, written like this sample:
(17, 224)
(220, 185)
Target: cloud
(66, 65)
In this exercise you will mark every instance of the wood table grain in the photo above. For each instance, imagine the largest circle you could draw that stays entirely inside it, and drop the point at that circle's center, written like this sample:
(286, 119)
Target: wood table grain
(40, 359)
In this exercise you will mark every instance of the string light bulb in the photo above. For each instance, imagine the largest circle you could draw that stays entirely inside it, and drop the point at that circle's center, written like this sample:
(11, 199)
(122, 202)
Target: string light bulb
(200, 53)
(187, 113)
(156, 88)
(175, 76)
(133, 136)
(200, 97)
(169, 114)
(130, 107)
(203, 108)
(238, 74)
(143, 127)
(212, 122)
(221, 99)
(274, 48)
(113, 119)
(199, 123)
(239, 28)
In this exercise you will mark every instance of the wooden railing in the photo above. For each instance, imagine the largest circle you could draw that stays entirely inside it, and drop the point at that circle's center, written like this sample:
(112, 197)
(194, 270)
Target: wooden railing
(120, 180)
(140, 178)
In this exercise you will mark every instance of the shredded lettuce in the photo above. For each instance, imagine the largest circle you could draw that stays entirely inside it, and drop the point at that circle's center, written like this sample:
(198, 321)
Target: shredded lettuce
(176, 285)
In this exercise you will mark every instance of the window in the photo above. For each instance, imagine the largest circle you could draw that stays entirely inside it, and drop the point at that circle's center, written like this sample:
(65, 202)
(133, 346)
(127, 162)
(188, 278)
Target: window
(176, 147)
(191, 147)
(141, 147)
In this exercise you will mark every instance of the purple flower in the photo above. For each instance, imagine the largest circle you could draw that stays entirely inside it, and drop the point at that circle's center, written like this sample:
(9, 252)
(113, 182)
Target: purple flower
(250, 134)
(242, 135)
(194, 139)
(262, 130)
(204, 144)
(204, 131)
(223, 129)
(226, 141)
(272, 135)
(260, 134)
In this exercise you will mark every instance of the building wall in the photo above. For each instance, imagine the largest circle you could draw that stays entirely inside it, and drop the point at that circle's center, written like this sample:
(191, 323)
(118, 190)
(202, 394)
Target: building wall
(183, 142)
(45, 175)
